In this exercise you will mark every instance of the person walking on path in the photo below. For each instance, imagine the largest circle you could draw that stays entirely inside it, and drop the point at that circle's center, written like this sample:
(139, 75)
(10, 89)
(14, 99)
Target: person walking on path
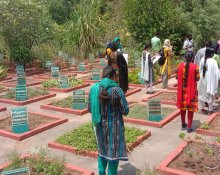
(107, 104)
(187, 94)
(188, 44)
(147, 69)
(166, 68)
(208, 83)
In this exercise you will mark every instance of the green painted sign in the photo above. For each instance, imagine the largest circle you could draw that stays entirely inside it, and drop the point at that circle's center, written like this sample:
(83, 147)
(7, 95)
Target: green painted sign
(137, 63)
(91, 57)
(49, 64)
(55, 71)
(19, 120)
(102, 62)
(18, 171)
(20, 71)
(96, 74)
(73, 61)
(81, 66)
(154, 110)
(79, 99)
(21, 92)
(64, 82)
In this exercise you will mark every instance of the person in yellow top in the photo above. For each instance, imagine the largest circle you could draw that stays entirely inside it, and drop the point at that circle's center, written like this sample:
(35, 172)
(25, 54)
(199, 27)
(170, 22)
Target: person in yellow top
(166, 68)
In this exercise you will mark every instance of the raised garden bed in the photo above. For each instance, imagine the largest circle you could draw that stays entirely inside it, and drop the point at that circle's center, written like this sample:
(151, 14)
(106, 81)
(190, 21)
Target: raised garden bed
(138, 115)
(38, 123)
(65, 106)
(43, 164)
(6, 78)
(12, 83)
(166, 97)
(33, 95)
(192, 158)
(77, 142)
(28, 71)
(3, 88)
(211, 127)
(47, 75)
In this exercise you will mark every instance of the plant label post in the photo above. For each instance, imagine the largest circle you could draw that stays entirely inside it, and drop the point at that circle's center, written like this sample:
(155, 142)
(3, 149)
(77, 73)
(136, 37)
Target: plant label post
(96, 74)
(140, 79)
(79, 99)
(60, 53)
(49, 64)
(73, 61)
(19, 120)
(64, 82)
(18, 171)
(91, 57)
(81, 66)
(21, 92)
(55, 71)
(154, 110)
(102, 62)
(137, 63)
(20, 75)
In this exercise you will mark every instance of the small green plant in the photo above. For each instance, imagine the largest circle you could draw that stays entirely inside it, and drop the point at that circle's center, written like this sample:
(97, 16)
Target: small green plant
(146, 171)
(205, 126)
(209, 150)
(197, 137)
(65, 103)
(182, 135)
(133, 76)
(2, 87)
(3, 72)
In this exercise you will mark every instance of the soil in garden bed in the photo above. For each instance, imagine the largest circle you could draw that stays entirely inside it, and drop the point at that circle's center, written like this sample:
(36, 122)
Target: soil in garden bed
(139, 111)
(33, 120)
(166, 96)
(37, 168)
(215, 124)
(65, 103)
(198, 158)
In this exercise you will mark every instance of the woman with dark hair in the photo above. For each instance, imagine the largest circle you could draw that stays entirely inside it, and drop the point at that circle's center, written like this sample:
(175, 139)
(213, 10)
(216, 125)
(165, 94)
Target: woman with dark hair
(208, 83)
(187, 95)
(118, 62)
(107, 103)
(147, 68)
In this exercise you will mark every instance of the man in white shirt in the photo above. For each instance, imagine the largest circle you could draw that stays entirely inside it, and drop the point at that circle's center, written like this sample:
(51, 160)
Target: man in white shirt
(188, 43)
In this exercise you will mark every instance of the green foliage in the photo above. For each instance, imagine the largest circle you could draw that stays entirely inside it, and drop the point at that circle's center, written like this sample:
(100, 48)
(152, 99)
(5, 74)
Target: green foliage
(205, 126)
(65, 103)
(145, 18)
(2, 87)
(38, 163)
(182, 135)
(218, 139)
(83, 138)
(31, 93)
(54, 83)
(3, 72)
(22, 26)
(133, 76)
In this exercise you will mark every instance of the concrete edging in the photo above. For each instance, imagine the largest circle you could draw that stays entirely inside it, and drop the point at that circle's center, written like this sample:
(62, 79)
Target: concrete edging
(32, 100)
(64, 90)
(162, 101)
(65, 110)
(67, 166)
(94, 154)
(8, 84)
(35, 131)
(209, 132)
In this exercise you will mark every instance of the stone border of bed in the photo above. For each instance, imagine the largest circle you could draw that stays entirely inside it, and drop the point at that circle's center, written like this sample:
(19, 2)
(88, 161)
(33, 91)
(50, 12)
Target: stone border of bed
(31, 100)
(35, 131)
(209, 132)
(8, 84)
(94, 154)
(64, 90)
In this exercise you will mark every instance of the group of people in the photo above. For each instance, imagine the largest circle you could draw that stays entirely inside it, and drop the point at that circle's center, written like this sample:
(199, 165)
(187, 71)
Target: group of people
(107, 102)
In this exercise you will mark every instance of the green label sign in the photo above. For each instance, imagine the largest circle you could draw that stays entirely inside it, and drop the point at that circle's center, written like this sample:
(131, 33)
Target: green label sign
(21, 81)
(79, 99)
(154, 110)
(49, 64)
(137, 63)
(20, 71)
(64, 82)
(19, 171)
(19, 120)
(21, 92)
(91, 57)
(96, 74)
(81, 67)
(102, 62)
(55, 71)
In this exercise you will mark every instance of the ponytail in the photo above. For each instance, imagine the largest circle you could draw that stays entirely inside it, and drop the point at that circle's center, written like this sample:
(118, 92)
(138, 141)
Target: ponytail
(189, 57)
